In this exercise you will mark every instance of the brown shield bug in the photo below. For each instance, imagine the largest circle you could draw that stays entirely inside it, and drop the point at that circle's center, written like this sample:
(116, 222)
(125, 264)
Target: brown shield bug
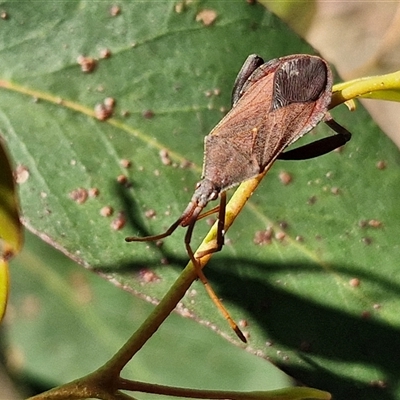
(273, 105)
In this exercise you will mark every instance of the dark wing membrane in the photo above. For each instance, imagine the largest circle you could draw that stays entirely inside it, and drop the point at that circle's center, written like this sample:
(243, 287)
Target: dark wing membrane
(298, 81)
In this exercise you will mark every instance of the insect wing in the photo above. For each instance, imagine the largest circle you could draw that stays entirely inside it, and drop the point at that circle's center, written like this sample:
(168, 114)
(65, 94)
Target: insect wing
(280, 102)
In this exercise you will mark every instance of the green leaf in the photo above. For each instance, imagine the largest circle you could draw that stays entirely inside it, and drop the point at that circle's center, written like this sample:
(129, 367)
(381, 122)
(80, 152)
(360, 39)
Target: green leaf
(66, 321)
(324, 308)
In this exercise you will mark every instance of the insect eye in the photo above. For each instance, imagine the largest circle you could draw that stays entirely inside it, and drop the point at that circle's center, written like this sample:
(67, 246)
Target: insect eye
(213, 195)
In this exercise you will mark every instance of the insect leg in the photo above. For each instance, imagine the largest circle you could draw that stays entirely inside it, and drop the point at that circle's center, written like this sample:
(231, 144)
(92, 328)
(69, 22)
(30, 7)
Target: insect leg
(220, 306)
(221, 222)
(220, 228)
(253, 61)
(210, 291)
(319, 147)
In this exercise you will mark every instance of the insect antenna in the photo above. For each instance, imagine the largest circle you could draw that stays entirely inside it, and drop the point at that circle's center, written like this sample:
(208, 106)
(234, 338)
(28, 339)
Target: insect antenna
(208, 213)
(191, 212)
(152, 238)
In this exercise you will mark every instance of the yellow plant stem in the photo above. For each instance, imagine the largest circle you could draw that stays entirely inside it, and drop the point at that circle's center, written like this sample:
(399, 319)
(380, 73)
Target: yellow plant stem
(4, 286)
(384, 87)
